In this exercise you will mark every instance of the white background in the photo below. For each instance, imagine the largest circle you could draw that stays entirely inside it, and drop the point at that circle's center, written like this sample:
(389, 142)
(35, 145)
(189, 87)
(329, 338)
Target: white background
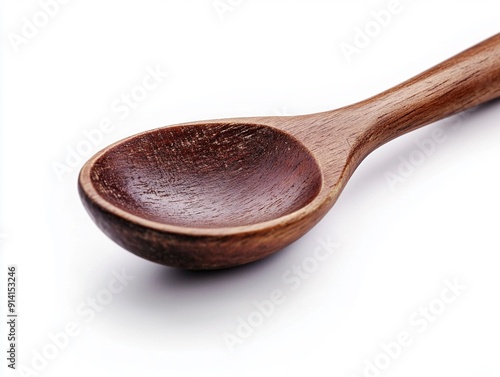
(396, 246)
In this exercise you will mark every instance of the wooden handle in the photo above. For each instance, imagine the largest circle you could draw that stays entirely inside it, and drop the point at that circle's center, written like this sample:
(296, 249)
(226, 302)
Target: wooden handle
(461, 82)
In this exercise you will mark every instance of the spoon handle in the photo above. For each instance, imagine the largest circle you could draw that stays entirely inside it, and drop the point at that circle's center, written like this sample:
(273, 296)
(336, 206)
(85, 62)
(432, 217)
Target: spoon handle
(459, 83)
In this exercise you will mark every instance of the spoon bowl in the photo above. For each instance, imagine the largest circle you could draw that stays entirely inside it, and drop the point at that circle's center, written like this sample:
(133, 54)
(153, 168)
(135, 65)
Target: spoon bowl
(213, 195)
(218, 194)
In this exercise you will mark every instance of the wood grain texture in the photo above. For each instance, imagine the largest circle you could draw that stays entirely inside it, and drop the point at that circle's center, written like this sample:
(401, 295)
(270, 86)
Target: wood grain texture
(217, 194)
(208, 176)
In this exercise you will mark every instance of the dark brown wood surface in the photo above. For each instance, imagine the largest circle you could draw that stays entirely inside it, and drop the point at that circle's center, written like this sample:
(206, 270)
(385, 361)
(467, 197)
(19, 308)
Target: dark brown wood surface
(217, 194)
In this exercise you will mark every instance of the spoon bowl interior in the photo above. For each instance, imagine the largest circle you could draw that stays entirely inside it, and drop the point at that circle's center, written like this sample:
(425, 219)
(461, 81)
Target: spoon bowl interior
(208, 176)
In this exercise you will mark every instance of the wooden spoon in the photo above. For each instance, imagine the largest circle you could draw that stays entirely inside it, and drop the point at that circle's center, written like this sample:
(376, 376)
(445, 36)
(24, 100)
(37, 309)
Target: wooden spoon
(222, 193)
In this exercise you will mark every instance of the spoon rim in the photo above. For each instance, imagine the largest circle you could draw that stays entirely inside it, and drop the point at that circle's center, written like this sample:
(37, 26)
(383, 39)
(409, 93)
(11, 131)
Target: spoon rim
(92, 194)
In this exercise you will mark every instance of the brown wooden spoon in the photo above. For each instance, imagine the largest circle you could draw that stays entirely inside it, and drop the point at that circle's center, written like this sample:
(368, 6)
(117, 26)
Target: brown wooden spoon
(222, 193)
